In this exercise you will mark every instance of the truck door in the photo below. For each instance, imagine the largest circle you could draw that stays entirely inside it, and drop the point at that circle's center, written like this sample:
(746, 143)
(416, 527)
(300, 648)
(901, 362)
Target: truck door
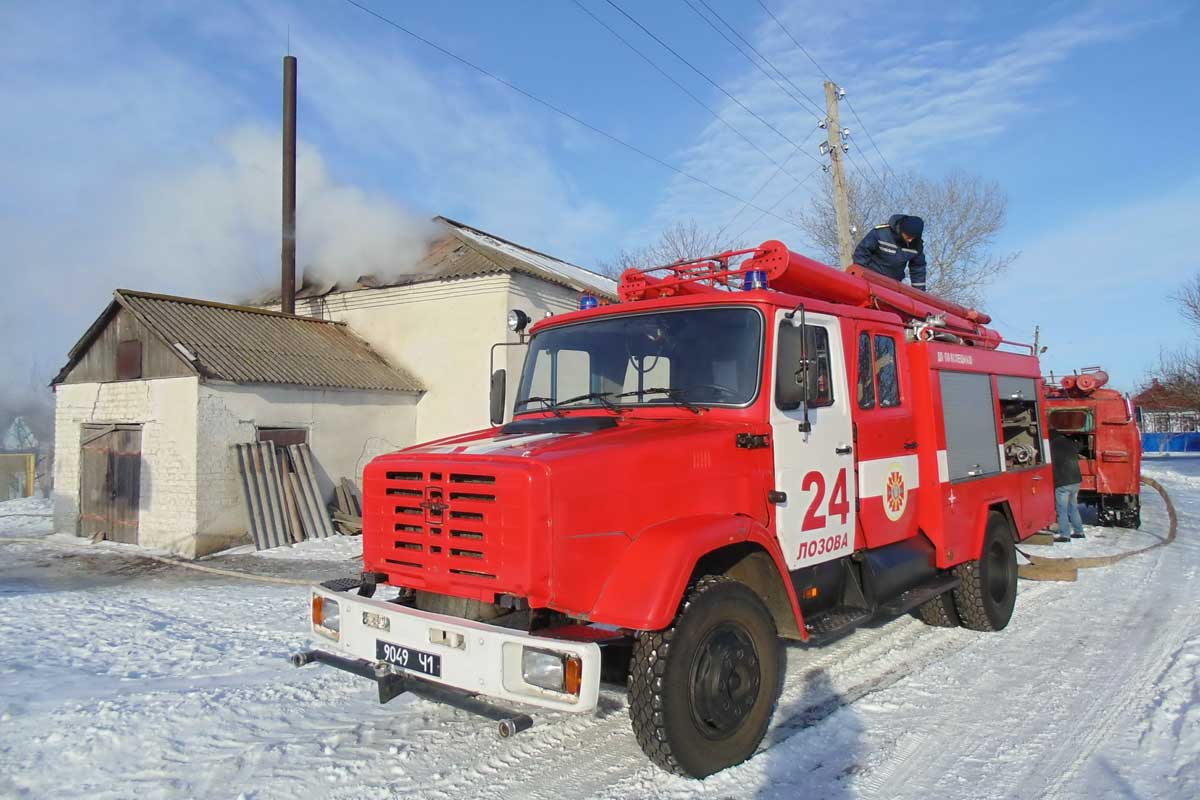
(886, 457)
(814, 468)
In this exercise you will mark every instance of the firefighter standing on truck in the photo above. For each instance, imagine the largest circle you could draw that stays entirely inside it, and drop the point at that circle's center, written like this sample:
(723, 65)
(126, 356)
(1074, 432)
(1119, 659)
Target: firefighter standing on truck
(888, 249)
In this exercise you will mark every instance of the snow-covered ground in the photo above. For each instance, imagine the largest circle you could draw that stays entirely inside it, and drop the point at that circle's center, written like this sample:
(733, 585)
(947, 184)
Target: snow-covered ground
(126, 678)
(29, 516)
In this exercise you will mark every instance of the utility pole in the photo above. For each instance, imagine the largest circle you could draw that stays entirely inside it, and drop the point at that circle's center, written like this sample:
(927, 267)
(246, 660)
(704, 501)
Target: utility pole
(288, 249)
(841, 203)
(1037, 339)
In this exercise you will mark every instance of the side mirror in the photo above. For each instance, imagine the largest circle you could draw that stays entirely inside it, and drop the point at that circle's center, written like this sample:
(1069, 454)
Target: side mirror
(802, 380)
(791, 380)
(499, 392)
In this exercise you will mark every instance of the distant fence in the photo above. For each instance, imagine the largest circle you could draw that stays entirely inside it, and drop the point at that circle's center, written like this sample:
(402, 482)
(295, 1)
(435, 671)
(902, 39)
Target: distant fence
(17, 475)
(1170, 443)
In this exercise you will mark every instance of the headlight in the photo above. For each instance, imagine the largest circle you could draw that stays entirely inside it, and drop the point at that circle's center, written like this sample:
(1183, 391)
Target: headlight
(326, 616)
(554, 671)
(517, 320)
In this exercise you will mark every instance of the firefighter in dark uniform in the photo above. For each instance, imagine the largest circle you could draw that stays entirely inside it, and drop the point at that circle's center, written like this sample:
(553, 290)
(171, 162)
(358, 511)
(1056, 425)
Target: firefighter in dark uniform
(888, 249)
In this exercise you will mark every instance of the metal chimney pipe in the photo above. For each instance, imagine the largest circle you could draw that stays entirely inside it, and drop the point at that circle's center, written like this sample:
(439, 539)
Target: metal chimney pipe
(288, 255)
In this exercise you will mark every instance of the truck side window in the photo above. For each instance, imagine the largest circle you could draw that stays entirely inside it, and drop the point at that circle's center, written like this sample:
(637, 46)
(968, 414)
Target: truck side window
(818, 353)
(886, 374)
(866, 374)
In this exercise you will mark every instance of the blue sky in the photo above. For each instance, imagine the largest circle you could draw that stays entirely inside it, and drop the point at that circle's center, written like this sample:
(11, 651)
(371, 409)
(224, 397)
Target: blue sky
(140, 143)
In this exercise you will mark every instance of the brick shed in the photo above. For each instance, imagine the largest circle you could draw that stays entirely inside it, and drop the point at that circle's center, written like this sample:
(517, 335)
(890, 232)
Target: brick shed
(159, 389)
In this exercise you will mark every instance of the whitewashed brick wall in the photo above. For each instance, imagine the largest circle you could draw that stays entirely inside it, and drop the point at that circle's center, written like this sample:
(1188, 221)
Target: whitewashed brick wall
(166, 410)
(346, 429)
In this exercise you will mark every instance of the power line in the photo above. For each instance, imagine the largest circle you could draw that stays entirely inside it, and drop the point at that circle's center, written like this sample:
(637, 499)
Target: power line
(711, 10)
(701, 73)
(557, 110)
(742, 208)
(778, 202)
(829, 77)
(683, 88)
(879, 180)
(870, 138)
(753, 197)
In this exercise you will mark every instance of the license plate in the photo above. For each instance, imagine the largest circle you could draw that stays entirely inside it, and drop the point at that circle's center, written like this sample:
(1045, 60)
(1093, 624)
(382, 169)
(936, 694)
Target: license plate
(409, 658)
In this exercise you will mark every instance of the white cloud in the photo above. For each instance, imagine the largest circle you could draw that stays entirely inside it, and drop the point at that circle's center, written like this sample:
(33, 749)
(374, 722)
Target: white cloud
(218, 224)
(141, 142)
(917, 89)
(1098, 286)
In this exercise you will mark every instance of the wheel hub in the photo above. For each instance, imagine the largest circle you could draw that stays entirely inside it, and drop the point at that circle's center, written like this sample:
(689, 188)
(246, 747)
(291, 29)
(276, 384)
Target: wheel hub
(724, 680)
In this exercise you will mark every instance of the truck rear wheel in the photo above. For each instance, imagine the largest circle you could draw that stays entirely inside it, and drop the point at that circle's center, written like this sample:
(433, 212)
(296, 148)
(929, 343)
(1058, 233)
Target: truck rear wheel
(702, 692)
(988, 590)
(939, 612)
(1131, 515)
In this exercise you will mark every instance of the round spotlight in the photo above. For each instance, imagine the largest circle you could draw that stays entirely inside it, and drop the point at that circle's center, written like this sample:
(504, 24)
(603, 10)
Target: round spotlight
(518, 320)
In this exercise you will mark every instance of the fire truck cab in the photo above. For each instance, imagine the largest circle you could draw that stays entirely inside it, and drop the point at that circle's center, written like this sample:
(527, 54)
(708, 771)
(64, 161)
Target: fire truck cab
(747, 447)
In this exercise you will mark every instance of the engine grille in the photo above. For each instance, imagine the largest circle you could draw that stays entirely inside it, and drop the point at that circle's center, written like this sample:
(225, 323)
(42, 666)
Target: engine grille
(442, 522)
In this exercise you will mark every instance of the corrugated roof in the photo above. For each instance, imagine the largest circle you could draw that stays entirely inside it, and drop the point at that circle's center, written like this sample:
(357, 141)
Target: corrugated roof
(241, 344)
(512, 256)
(467, 252)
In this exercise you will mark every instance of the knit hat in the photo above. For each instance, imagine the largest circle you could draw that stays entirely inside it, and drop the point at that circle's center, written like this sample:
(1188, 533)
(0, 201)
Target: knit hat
(913, 226)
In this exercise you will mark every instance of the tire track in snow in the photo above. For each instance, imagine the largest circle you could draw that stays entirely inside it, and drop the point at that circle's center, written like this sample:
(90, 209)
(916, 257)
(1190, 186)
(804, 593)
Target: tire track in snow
(1075, 706)
(867, 661)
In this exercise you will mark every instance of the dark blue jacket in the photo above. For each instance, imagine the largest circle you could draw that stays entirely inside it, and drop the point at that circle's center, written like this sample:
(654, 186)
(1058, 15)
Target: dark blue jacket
(883, 251)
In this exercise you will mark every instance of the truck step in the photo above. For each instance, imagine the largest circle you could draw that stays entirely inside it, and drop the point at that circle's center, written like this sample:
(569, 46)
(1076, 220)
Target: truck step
(917, 595)
(841, 620)
(836, 622)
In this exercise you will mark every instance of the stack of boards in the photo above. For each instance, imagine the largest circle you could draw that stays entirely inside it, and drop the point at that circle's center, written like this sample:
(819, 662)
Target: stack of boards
(347, 517)
(283, 499)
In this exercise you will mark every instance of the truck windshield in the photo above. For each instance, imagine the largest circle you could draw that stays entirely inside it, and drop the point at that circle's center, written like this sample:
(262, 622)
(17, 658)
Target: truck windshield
(692, 357)
(1071, 420)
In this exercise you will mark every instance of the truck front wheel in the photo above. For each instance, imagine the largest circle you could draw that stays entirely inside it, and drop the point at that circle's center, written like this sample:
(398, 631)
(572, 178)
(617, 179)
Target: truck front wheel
(988, 592)
(701, 692)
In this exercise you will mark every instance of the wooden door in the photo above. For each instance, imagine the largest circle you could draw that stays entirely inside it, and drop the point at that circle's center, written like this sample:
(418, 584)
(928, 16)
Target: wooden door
(110, 471)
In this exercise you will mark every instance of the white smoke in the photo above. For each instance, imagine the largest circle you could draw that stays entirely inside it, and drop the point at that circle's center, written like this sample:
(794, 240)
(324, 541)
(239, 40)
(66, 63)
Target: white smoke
(210, 230)
(220, 222)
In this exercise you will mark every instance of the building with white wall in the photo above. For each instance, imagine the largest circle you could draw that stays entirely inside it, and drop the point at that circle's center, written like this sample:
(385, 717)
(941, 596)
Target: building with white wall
(159, 389)
(442, 315)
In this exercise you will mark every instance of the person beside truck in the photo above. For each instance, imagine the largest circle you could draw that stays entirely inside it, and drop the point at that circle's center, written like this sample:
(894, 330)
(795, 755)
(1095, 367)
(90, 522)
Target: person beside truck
(1064, 456)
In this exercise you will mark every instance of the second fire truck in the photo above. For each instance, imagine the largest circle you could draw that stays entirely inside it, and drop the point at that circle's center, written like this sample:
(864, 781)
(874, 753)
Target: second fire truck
(1101, 420)
(747, 447)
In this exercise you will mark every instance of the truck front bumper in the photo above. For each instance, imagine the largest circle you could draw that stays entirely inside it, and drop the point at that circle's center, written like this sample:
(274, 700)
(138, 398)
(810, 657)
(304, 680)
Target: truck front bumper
(459, 654)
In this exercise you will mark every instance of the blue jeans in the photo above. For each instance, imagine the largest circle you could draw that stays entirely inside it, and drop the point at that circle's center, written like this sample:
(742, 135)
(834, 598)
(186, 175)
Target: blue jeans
(1066, 501)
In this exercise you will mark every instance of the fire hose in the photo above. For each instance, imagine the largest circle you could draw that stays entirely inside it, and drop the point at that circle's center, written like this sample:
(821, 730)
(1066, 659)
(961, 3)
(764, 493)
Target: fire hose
(1039, 568)
(175, 562)
(1046, 568)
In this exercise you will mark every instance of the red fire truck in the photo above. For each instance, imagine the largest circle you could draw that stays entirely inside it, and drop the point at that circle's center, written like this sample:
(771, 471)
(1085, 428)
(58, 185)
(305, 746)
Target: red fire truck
(1101, 420)
(747, 447)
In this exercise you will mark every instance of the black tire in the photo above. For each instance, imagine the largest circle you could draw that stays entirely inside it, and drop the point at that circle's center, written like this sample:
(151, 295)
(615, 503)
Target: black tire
(939, 612)
(988, 592)
(702, 692)
(1131, 517)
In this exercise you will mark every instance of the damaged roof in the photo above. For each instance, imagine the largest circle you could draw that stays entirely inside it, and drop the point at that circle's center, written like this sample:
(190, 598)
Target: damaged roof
(242, 344)
(465, 252)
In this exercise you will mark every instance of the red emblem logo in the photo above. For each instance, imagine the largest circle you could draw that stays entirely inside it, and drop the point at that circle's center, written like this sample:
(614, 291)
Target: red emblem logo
(895, 495)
